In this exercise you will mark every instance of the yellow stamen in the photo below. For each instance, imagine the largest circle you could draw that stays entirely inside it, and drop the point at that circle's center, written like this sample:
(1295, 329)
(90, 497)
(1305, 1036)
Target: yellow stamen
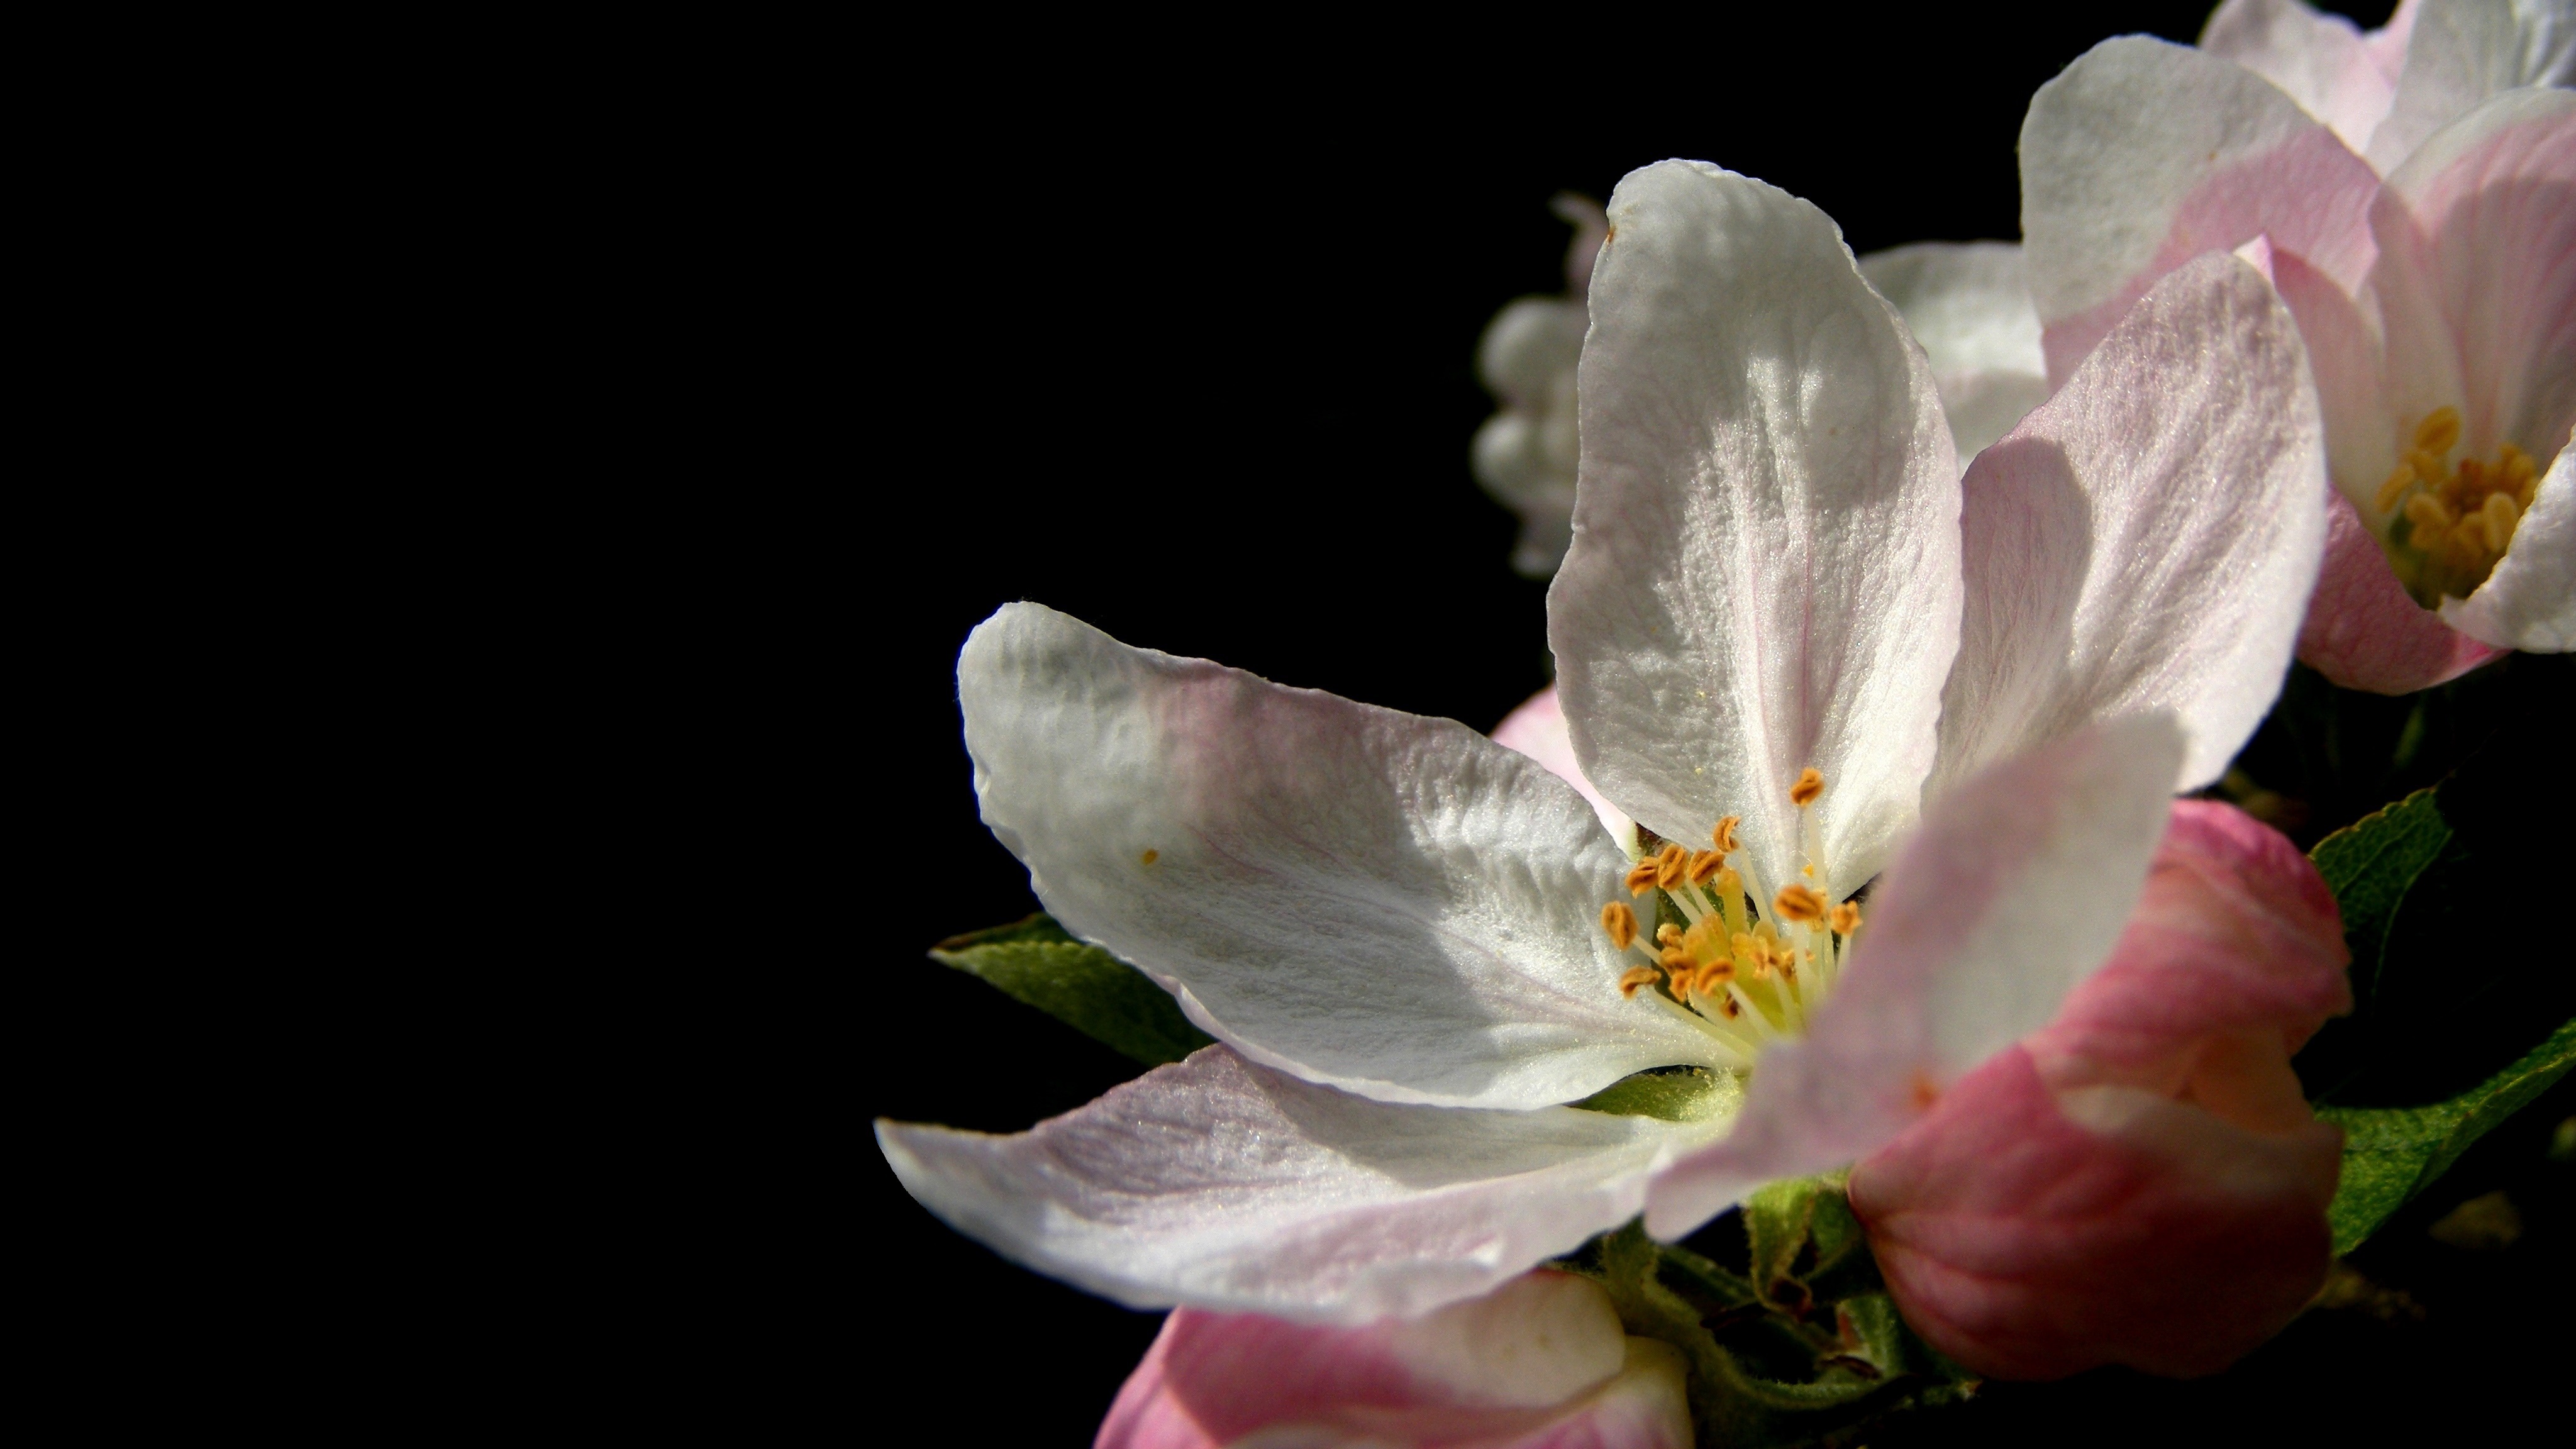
(1149, 857)
(1641, 877)
(1668, 934)
(2502, 515)
(1723, 837)
(1846, 918)
(1674, 958)
(2440, 430)
(1705, 940)
(1670, 865)
(1634, 977)
(1797, 903)
(1810, 784)
(1705, 866)
(2395, 488)
(1620, 922)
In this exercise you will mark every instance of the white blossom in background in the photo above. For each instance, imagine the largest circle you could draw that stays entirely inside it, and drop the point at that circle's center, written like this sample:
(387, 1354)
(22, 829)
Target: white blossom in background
(1797, 645)
(1969, 306)
(1524, 454)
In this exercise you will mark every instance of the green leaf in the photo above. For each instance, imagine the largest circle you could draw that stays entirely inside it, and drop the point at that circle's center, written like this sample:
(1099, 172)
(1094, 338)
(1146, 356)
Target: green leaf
(1674, 1094)
(2392, 1153)
(2370, 865)
(1079, 984)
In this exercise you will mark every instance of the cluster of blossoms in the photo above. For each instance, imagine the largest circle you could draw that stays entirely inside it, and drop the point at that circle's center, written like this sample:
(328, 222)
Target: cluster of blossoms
(1900, 599)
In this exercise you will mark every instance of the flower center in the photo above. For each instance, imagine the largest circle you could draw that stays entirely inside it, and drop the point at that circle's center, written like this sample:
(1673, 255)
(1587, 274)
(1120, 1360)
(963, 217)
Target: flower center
(1743, 973)
(2447, 527)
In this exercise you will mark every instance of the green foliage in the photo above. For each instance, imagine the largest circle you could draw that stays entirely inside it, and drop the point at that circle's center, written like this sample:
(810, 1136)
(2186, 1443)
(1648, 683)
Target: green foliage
(1673, 1094)
(1811, 1357)
(2392, 1153)
(2449, 994)
(1084, 987)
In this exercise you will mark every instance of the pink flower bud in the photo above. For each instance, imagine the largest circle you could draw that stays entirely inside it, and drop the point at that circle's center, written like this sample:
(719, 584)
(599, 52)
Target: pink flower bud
(2140, 1182)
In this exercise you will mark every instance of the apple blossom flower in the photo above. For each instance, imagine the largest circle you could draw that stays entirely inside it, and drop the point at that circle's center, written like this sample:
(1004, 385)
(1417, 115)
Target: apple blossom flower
(1415, 946)
(1524, 454)
(2438, 307)
(1964, 302)
(1539, 1363)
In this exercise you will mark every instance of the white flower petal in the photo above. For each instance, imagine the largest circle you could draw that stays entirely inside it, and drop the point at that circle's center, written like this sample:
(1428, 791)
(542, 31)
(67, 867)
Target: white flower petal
(2464, 52)
(2529, 602)
(2015, 889)
(2475, 284)
(2143, 155)
(2147, 540)
(1969, 305)
(1395, 905)
(1223, 1185)
(2319, 59)
(1537, 729)
(1764, 574)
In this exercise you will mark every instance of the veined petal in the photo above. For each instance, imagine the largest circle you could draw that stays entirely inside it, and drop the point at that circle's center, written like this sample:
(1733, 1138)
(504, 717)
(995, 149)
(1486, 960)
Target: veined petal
(1764, 574)
(1224, 1185)
(2014, 890)
(2320, 60)
(2465, 52)
(2529, 602)
(1968, 304)
(1541, 1360)
(2476, 279)
(2142, 155)
(2362, 630)
(1537, 729)
(1393, 905)
(2147, 540)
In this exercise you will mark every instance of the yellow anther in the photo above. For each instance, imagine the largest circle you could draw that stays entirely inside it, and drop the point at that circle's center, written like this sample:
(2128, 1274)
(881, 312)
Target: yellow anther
(1746, 948)
(1670, 865)
(1808, 871)
(2502, 515)
(1620, 922)
(1634, 977)
(1668, 934)
(1705, 866)
(1149, 857)
(1797, 903)
(1723, 837)
(1641, 877)
(1716, 973)
(2395, 488)
(2439, 431)
(1705, 940)
(1727, 885)
(1681, 981)
(1674, 958)
(1810, 784)
(2431, 520)
(1846, 918)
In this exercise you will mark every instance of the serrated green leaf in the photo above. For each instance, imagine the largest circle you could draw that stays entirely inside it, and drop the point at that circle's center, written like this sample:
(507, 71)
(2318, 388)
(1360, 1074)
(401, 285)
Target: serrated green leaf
(1674, 1094)
(2392, 1153)
(2369, 865)
(1079, 984)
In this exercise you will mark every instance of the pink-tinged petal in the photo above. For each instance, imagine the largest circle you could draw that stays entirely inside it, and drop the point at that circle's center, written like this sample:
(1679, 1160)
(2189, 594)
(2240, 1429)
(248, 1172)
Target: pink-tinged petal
(2142, 1181)
(1392, 905)
(2387, 45)
(1537, 729)
(2321, 60)
(1764, 575)
(2147, 538)
(1540, 1363)
(2460, 54)
(2477, 277)
(2529, 602)
(2015, 889)
(2362, 630)
(2030, 1233)
(2143, 155)
(1218, 1183)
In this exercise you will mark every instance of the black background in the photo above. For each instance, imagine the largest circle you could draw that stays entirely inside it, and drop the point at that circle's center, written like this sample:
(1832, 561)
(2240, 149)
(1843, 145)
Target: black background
(1184, 347)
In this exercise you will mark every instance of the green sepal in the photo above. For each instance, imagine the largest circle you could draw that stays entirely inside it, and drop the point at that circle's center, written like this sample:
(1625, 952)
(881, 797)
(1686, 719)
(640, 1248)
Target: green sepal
(1671, 1094)
(2392, 1153)
(1079, 984)
(1763, 1376)
(1801, 1229)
